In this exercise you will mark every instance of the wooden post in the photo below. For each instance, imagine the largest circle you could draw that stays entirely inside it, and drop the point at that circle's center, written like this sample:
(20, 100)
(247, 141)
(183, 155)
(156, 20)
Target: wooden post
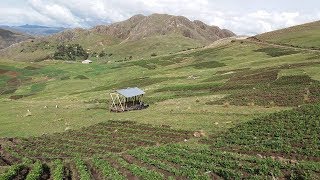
(120, 103)
(113, 101)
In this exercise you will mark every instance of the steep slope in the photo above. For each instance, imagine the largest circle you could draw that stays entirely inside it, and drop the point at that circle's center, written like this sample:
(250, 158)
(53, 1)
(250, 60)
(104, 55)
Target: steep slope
(304, 36)
(139, 27)
(8, 38)
(135, 38)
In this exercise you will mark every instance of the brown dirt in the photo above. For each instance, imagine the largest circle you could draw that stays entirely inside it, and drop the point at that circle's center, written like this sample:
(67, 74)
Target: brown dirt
(3, 71)
(93, 171)
(4, 162)
(14, 82)
(22, 174)
(16, 97)
(12, 73)
(73, 171)
(46, 173)
(67, 173)
(6, 158)
(214, 176)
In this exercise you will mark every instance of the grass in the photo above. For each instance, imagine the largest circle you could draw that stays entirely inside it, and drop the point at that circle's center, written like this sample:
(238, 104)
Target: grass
(306, 36)
(239, 97)
(40, 50)
(176, 78)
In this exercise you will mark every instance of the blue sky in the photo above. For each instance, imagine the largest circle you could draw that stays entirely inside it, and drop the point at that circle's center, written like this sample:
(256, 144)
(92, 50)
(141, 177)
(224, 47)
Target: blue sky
(241, 16)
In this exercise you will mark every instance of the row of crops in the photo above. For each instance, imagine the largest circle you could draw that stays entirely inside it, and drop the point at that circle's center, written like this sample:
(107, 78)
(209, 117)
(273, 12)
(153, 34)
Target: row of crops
(293, 134)
(112, 136)
(174, 161)
(283, 145)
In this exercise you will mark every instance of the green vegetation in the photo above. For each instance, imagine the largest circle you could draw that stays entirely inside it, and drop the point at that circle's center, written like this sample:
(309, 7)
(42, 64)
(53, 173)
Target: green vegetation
(240, 110)
(291, 133)
(35, 172)
(70, 52)
(180, 94)
(107, 170)
(276, 52)
(305, 36)
(84, 174)
(126, 135)
(273, 146)
(12, 172)
(58, 171)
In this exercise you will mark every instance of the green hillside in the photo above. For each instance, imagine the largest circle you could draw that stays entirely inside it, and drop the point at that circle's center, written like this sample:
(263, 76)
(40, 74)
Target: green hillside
(135, 38)
(240, 110)
(176, 85)
(305, 36)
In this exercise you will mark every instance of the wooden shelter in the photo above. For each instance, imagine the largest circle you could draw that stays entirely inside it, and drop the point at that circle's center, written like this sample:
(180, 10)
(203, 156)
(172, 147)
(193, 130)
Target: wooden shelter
(127, 100)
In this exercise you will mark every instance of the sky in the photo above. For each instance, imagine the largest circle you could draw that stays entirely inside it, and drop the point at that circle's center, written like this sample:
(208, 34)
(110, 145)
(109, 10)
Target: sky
(244, 17)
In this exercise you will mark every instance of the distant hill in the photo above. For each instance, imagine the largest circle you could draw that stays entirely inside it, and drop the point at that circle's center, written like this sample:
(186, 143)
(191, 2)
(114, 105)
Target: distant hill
(139, 27)
(304, 36)
(35, 29)
(8, 38)
(135, 38)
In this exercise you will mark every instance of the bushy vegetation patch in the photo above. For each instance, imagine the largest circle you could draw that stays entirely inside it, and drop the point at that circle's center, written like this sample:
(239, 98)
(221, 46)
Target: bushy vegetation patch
(276, 52)
(38, 87)
(208, 64)
(70, 52)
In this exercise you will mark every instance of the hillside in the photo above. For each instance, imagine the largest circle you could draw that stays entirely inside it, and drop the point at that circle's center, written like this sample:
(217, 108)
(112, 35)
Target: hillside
(34, 30)
(236, 109)
(8, 38)
(304, 36)
(138, 37)
(139, 27)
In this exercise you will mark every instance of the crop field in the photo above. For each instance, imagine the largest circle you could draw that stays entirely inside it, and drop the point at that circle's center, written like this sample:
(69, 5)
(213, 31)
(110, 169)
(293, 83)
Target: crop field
(239, 110)
(113, 136)
(274, 146)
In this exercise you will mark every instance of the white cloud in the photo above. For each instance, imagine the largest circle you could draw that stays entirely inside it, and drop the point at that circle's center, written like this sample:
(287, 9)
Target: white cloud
(16, 16)
(75, 13)
(55, 12)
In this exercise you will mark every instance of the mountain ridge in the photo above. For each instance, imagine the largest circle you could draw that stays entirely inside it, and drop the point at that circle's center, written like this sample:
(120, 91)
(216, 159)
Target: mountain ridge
(34, 30)
(8, 38)
(137, 37)
(139, 26)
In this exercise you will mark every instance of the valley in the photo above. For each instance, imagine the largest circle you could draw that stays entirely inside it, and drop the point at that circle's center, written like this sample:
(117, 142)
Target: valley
(240, 109)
